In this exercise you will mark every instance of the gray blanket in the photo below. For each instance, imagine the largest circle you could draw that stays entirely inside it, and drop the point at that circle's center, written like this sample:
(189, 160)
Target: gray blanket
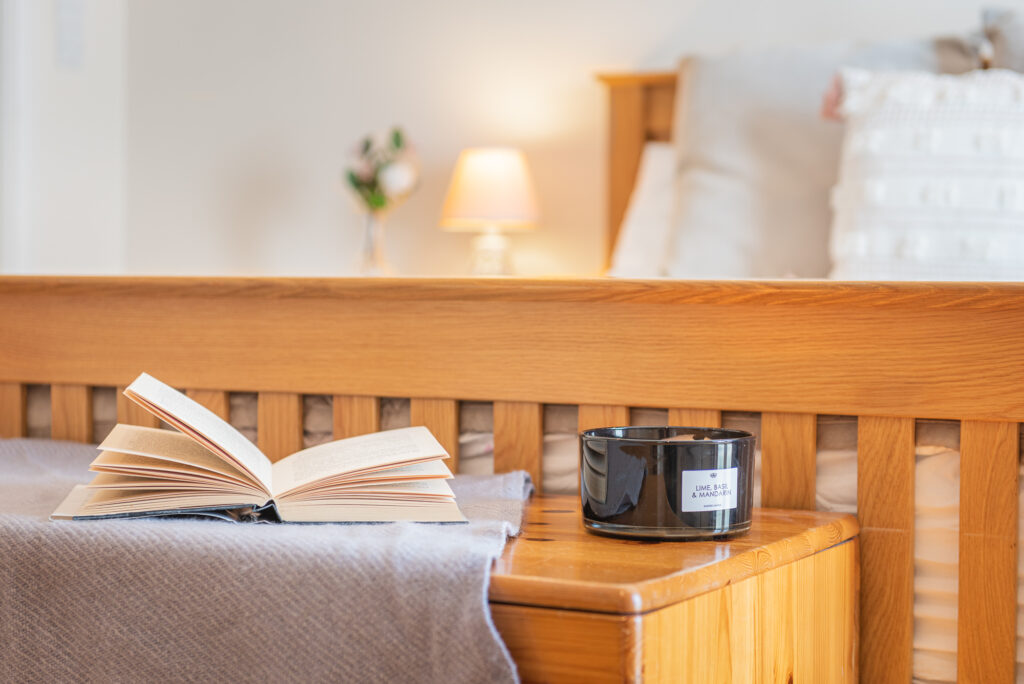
(182, 600)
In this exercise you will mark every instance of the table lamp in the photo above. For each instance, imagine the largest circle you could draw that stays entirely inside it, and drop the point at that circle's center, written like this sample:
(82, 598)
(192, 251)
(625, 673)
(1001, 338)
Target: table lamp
(491, 193)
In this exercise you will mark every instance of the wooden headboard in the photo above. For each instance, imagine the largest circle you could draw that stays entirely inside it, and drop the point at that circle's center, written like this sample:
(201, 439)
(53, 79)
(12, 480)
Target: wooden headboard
(640, 111)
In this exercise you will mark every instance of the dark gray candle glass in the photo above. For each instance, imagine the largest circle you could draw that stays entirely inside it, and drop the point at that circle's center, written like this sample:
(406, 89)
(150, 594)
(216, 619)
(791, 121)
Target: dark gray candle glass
(666, 482)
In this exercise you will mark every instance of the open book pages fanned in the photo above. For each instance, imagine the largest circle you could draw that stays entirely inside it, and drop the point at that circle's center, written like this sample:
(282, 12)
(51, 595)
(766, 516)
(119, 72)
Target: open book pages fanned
(211, 469)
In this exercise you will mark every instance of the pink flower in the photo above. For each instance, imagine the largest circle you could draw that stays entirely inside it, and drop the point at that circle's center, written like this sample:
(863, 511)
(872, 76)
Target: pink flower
(362, 168)
(833, 100)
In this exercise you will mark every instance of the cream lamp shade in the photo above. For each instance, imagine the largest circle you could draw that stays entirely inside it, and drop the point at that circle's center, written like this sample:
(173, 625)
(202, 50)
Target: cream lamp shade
(491, 190)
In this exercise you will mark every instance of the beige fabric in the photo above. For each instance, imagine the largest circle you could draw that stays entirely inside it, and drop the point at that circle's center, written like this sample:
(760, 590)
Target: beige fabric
(640, 247)
(756, 160)
(174, 600)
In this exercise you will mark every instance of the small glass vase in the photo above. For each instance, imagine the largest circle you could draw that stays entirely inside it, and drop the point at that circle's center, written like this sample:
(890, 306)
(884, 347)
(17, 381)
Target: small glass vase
(373, 262)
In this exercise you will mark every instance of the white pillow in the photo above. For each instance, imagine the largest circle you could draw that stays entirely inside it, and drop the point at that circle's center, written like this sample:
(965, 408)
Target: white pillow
(640, 247)
(931, 184)
(756, 160)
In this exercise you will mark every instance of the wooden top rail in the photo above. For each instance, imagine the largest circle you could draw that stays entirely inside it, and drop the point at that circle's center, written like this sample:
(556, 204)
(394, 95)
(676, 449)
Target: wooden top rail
(913, 350)
(642, 79)
(937, 295)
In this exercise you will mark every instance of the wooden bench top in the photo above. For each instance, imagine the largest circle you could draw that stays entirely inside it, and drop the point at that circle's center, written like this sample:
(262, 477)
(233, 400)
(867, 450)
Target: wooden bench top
(556, 563)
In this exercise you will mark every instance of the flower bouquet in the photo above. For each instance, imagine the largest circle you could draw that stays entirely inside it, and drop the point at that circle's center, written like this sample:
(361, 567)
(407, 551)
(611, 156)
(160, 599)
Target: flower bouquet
(382, 174)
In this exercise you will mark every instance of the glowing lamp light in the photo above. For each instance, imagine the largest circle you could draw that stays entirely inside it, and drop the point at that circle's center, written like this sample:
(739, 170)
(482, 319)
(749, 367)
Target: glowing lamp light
(491, 193)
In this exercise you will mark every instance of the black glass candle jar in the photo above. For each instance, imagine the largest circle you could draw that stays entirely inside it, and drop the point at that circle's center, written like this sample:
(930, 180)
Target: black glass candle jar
(666, 482)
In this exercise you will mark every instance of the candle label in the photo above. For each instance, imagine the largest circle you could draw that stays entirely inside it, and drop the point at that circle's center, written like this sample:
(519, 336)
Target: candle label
(709, 490)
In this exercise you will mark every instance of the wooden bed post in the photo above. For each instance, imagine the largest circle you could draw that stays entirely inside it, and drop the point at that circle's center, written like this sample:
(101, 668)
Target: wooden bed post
(639, 110)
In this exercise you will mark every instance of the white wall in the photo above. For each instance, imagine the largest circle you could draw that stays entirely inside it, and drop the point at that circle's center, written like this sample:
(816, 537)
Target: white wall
(61, 136)
(238, 116)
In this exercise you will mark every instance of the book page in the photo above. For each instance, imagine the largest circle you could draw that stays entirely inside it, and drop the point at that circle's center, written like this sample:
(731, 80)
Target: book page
(377, 450)
(149, 466)
(202, 424)
(173, 447)
(83, 501)
(72, 503)
(443, 511)
(408, 491)
(112, 501)
(418, 470)
(425, 470)
(142, 482)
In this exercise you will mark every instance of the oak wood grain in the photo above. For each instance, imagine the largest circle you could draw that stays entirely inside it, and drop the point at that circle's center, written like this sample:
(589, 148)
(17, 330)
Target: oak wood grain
(130, 413)
(788, 459)
(646, 79)
(896, 350)
(694, 417)
(640, 109)
(658, 106)
(885, 508)
(355, 415)
(441, 417)
(279, 424)
(71, 413)
(785, 619)
(793, 623)
(625, 146)
(13, 410)
(589, 416)
(519, 438)
(217, 401)
(570, 646)
(938, 296)
(838, 348)
(555, 563)
(987, 614)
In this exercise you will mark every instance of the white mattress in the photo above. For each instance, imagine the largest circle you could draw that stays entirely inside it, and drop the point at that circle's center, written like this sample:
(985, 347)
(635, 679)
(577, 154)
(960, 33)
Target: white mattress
(937, 489)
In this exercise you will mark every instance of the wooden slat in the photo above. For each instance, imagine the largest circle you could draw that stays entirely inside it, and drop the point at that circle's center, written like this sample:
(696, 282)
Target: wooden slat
(130, 413)
(13, 410)
(885, 507)
(987, 615)
(694, 417)
(71, 413)
(218, 402)
(788, 460)
(519, 438)
(279, 424)
(590, 416)
(355, 415)
(441, 417)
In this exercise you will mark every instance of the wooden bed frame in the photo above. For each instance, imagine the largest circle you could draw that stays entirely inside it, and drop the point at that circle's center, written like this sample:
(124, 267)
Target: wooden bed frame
(640, 110)
(886, 353)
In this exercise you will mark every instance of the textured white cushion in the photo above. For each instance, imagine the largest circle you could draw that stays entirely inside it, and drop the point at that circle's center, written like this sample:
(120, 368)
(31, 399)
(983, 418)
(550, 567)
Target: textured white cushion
(756, 160)
(931, 184)
(640, 248)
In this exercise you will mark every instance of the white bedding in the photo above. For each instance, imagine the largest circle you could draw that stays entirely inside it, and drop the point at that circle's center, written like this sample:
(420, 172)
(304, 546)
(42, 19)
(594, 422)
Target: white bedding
(937, 489)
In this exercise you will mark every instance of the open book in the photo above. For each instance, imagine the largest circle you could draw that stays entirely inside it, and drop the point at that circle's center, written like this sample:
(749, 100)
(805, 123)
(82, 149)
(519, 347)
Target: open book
(210, 468)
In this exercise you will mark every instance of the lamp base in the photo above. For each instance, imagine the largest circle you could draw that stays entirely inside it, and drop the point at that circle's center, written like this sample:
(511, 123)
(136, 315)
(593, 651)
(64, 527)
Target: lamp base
(491, 254)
